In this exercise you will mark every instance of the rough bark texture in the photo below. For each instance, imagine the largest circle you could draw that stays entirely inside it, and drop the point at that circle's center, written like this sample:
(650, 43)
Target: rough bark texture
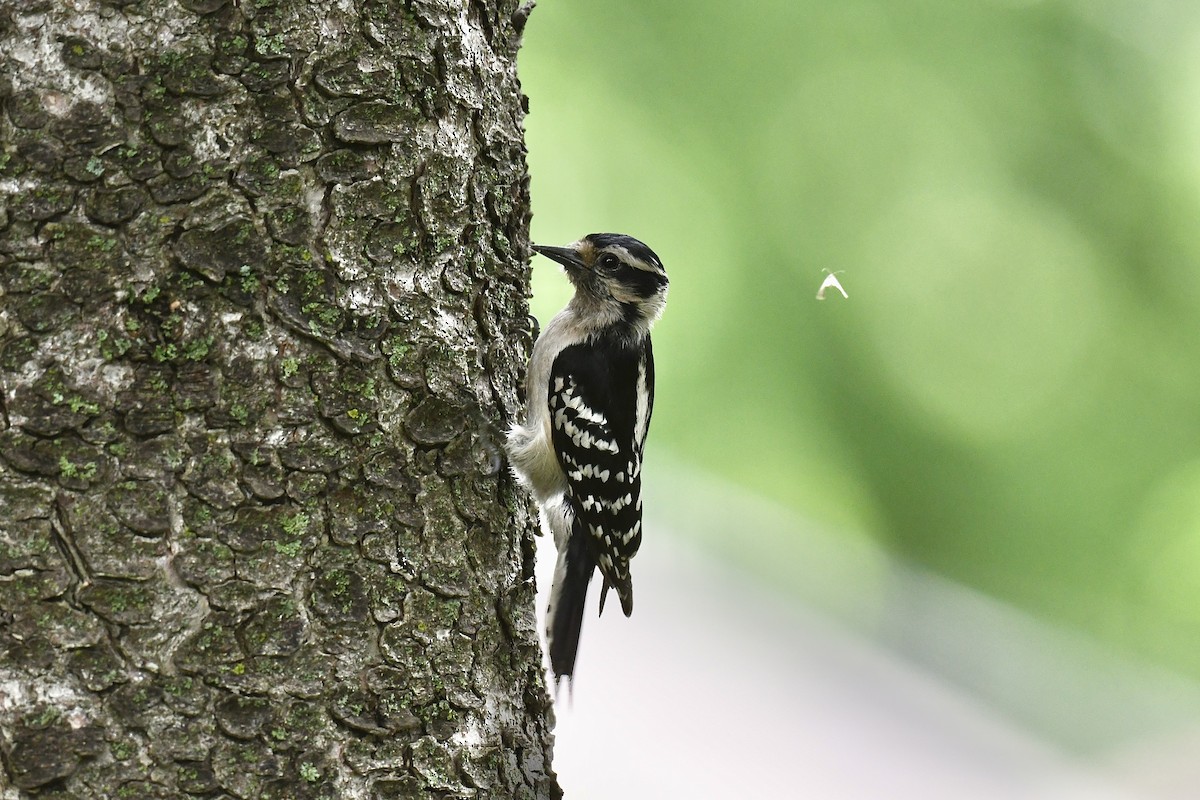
(262, 315)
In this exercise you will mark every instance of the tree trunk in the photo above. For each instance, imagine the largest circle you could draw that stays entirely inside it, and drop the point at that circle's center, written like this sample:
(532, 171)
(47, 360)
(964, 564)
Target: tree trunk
(262, 317)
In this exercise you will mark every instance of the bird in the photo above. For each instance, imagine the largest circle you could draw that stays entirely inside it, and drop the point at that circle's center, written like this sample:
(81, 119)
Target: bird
(589, 397)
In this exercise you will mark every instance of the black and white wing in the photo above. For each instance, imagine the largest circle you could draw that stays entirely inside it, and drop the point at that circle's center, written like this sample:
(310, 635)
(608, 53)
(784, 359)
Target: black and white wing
(600, 401)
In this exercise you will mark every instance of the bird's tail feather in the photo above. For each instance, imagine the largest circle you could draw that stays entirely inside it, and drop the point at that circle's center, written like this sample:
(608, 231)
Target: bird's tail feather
(568, 594)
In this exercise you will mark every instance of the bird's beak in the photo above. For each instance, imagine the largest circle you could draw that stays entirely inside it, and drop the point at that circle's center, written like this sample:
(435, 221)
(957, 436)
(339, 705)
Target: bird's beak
(566, 256)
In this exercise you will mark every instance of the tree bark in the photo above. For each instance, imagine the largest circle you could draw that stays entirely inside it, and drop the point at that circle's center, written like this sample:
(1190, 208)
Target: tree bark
(262, 317)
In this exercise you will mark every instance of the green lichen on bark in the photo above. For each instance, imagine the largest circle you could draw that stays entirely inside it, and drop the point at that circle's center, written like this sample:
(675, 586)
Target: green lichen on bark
(262, 315)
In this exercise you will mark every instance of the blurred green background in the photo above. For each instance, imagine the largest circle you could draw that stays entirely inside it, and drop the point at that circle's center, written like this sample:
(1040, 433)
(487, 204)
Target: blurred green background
(1010, 191)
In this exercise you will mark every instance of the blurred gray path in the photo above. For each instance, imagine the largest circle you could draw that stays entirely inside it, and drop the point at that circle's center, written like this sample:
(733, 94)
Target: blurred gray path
(719, 689)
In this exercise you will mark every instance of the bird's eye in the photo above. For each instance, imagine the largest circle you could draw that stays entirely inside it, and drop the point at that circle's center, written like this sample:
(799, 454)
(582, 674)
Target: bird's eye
(609, 261)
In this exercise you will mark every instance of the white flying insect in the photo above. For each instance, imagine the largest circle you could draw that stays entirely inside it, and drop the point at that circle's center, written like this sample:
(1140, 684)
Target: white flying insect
(831, 280)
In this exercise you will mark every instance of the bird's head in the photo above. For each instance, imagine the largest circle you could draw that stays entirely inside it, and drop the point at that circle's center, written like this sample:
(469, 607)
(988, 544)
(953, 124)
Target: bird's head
(616, 276)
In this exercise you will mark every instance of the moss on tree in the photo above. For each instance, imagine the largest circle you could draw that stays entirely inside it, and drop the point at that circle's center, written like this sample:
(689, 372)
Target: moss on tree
(262, 314)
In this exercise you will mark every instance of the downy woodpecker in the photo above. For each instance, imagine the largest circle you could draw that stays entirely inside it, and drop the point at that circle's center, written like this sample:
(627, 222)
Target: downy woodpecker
(589, 394)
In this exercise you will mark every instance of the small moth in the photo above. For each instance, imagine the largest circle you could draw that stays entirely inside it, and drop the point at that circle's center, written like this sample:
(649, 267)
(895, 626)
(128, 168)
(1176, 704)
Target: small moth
(831, 280)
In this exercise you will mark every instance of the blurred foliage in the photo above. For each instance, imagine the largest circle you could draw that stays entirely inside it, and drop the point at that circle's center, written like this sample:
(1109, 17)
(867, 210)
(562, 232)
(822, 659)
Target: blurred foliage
(1011, 193)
